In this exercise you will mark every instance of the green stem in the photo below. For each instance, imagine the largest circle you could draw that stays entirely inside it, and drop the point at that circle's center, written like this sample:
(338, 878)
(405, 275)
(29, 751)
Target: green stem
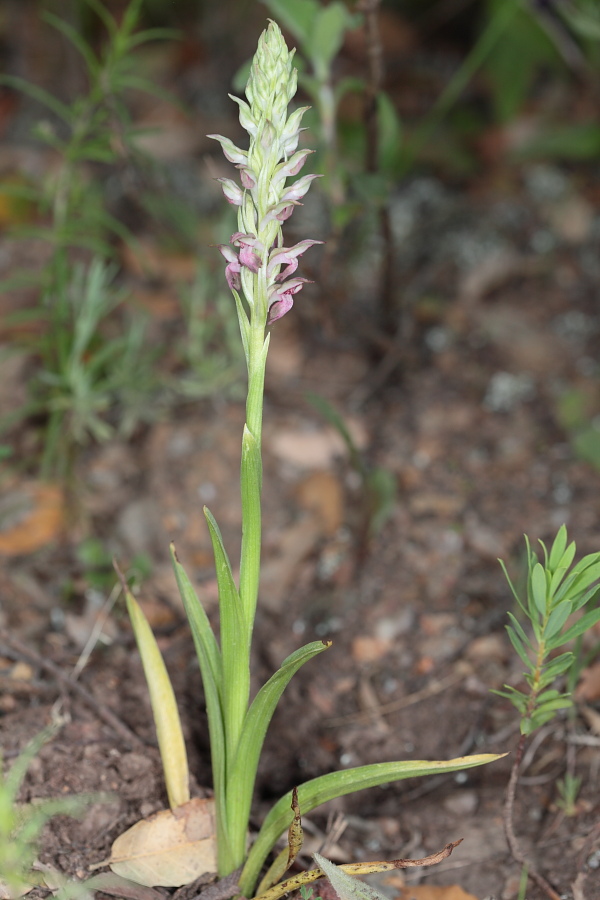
(251, 484)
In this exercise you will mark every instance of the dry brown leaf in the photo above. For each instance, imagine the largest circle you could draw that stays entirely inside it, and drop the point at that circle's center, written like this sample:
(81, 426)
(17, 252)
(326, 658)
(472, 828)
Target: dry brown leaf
(431, 892)
(31, 515)
(322, 493)
(5, 894)
(170, 848)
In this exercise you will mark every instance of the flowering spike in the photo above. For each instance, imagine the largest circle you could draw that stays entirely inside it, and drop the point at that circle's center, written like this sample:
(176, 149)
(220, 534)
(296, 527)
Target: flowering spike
(262, 266)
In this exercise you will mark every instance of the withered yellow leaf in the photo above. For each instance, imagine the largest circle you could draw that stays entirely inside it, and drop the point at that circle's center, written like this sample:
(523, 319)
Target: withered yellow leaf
(170, 848)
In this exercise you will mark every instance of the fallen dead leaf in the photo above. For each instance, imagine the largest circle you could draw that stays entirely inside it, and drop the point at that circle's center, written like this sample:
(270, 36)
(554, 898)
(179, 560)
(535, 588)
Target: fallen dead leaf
(31, 515)
(170, 848)
(322, 493)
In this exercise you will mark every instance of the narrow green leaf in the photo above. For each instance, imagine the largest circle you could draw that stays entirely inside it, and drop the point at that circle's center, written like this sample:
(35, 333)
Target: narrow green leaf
(524, 637)
(327, 36)
(11, 782)
(557, 619)
(587, 621)
(235, 643)
(240, 782)
(568, 556)
(539, 588)
(517, 698)
(511, 585)
(298, 16)
(336, 784)
(40, 96)
(581, 576)
(518, 646)
(585, 598)
(209, 660)
(552, 706)
(103, 14)
(559, 664)
(74, 37)
(164, 707)
(558, 548)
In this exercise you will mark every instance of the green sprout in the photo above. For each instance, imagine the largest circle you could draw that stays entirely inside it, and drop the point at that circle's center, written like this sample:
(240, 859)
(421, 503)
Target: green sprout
(21, 824)
(556, 591)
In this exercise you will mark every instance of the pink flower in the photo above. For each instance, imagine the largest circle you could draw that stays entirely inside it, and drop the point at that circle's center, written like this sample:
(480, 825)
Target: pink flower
(232, 269)
(281, 297)
(281, 212)
(247, 177)
(230, 151)
(297, 190)
(291, 167)
(287, 256)
(250, 250)
(233, 192)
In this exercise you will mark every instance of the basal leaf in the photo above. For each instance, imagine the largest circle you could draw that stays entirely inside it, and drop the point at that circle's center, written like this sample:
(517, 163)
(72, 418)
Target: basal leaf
(240, 782)
(336, 784)
(164, 707)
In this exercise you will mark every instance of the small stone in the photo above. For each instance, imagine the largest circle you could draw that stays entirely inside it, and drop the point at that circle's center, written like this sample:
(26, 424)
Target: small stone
(461, 803)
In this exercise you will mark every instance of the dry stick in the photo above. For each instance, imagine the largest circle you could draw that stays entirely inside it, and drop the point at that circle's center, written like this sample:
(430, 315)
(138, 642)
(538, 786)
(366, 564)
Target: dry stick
(99, 708)
(374, 85)
(509, 830)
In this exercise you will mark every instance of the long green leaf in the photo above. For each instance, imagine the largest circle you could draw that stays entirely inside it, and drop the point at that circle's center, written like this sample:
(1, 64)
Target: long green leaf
(164, 707)
(40, 95)
(209, 660)
(586, 621)
(235, 641)
(240, 782)
(558, 548)
(75, 38)
(539, 588)
(327, 787)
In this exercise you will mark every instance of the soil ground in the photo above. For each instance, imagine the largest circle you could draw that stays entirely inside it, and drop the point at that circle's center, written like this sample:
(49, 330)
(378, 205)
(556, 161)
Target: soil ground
(498, 285)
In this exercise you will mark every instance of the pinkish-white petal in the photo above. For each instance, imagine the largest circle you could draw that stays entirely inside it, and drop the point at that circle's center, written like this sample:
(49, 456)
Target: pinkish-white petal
(281, 297)
(292, 166)
(279, 308)
(247, 177)
(233, 192)
(230, 151)
(251, 250)
(288, 256)
(281, 212)
(297, 190)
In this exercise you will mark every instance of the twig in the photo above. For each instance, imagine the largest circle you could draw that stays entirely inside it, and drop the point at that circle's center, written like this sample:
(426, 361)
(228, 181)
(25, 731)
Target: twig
(509, 830)
(99, 708)
(433, 688)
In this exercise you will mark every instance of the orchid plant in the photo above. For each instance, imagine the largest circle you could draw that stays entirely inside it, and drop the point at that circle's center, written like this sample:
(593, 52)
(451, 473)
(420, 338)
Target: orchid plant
(261, 272)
